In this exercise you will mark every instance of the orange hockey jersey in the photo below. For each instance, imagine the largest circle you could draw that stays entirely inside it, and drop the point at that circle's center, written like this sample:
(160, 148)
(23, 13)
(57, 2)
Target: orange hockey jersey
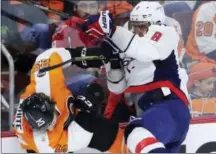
(52, 83)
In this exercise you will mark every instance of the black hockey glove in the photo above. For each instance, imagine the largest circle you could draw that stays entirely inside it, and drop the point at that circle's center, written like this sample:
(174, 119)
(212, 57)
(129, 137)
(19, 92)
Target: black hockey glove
(83, 104)
(90, 98)
(106, 51)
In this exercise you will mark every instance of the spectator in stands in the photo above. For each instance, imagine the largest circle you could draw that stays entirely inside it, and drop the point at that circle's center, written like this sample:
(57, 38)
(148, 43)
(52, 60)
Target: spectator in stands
(28, 14)
(26, 45)
(7, 23)
(133, 2)
(120, 11)
(83, 8)
(171, 7)
(201, 83)
(197, 4)
(38, 37)
(57, 5)
(28, 10)
(69, 35)
(202, 38)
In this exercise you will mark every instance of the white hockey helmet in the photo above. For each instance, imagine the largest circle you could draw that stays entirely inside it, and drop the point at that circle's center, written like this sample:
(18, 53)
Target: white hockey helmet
(147, 12)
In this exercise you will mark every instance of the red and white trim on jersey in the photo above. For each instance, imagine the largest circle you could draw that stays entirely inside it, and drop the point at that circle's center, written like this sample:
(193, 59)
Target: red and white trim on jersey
(157, 85)
(141, 140)
(148, 144)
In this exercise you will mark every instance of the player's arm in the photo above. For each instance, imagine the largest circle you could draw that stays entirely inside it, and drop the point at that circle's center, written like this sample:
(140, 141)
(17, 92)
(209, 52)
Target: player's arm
(90, 130)
(66, 54)
(155, 45)
(115, 75)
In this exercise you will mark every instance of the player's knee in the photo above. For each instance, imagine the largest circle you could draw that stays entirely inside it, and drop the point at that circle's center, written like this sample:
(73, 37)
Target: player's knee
(140, 140)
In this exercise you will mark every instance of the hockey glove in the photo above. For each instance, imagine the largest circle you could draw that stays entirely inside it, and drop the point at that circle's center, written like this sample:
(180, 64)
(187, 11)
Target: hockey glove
(105, 51)
(99, 26)
(83, 104)
(90, 98)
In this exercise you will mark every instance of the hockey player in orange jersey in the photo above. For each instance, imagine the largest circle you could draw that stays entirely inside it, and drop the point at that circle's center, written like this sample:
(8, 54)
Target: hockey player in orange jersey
(45, 121)
(202, 38)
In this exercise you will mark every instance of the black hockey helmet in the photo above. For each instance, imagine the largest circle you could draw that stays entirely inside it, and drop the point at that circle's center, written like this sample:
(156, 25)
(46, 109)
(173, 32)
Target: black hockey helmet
(38, 109)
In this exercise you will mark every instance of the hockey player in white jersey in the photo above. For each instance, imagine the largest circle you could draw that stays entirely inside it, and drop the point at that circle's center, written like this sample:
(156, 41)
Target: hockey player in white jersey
(149, 69)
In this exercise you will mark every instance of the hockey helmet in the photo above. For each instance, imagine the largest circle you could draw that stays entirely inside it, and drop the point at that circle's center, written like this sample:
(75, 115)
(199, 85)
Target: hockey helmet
(38, 109)
(147, 12)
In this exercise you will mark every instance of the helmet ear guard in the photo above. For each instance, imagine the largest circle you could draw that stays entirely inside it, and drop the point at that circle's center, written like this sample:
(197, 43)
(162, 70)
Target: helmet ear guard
(38, 109)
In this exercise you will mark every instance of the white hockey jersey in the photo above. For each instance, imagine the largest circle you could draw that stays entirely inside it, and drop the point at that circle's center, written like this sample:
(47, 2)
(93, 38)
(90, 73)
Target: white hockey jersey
(150, 61)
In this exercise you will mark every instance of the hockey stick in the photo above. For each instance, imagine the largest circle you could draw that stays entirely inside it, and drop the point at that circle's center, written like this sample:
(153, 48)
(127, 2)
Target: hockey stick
(31, 2)
(72, 60)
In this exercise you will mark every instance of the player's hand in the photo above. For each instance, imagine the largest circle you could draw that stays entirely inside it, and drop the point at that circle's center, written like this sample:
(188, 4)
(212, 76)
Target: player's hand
(106, 50)
(90, 98)
(84, 104)
(109, 51)
(99, 26)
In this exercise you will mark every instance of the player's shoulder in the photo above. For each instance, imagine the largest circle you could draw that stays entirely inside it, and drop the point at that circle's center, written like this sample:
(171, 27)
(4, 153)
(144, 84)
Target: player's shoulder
(47, 53)
(164, 29)
(168, 35)
(171, 22)
(174, 23)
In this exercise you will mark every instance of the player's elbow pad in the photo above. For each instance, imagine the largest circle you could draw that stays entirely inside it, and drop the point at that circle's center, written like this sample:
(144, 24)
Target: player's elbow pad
(116, 81)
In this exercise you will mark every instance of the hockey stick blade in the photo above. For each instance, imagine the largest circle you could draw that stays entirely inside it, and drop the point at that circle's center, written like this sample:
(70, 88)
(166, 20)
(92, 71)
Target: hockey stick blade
(72, 60)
